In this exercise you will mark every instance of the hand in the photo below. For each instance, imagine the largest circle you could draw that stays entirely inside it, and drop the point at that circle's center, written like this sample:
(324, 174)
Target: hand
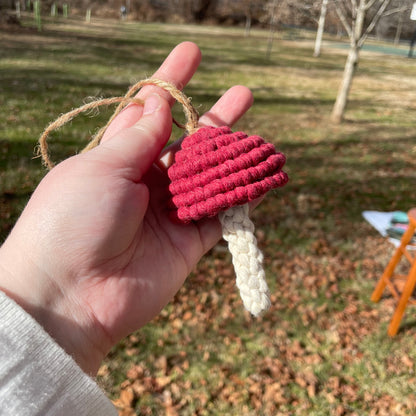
(94, 255)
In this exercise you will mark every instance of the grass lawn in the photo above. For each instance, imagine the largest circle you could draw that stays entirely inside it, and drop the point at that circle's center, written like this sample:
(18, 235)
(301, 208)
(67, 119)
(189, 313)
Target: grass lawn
(322, 349)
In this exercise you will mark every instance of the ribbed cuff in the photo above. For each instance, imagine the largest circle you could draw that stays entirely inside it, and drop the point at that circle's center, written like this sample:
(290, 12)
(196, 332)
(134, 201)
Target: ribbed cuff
(37, 377)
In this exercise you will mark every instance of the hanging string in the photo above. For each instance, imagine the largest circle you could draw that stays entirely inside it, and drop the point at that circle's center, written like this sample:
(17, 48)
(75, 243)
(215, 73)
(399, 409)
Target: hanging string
(190, 126)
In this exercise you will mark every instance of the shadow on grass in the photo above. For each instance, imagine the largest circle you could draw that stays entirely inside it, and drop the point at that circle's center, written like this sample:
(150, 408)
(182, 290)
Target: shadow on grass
(407, 324)
(299, 102)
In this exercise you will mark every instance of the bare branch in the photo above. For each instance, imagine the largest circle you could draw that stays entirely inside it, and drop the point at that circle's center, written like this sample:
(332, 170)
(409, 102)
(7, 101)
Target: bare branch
(303, 10)
(369, 4)
(353, 8)
(396, 10)
(375, 20)
(343, 18)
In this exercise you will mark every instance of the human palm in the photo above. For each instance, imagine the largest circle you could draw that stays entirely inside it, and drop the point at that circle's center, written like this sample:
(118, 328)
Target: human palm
(95, 255)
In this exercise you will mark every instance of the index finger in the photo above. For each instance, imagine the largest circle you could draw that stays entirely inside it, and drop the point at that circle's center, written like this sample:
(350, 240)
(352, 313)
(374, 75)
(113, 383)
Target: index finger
(178, 68)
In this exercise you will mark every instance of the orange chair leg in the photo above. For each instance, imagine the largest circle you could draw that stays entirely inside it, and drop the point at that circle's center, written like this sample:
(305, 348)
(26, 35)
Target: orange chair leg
(388, 272)
(407, 292)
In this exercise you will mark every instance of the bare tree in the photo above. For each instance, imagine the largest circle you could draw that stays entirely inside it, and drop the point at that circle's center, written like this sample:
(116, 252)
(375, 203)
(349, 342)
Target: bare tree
(353, 17)
(248, 10)
(320, 31)
(308, 12)
(403, 7)
(272, 6)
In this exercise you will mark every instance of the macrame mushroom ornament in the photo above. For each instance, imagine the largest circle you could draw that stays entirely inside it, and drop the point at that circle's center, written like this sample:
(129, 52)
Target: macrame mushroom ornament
(216, 172)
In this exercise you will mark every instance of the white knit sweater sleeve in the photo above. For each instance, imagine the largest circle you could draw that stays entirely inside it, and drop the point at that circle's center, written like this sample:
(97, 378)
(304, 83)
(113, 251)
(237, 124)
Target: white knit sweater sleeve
(37, 377)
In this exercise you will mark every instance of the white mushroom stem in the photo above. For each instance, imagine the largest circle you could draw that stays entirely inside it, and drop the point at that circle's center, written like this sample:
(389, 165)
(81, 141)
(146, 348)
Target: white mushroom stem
(238, 231)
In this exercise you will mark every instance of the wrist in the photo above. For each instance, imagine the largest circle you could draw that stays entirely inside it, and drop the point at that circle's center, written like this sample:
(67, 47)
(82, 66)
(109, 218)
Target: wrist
(51, 306)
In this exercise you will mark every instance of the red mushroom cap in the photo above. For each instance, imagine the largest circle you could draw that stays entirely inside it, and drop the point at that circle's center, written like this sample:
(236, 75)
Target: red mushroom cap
(217, 169)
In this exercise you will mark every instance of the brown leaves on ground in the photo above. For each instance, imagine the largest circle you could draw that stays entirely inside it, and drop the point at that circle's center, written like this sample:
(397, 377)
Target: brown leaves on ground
(304, 357)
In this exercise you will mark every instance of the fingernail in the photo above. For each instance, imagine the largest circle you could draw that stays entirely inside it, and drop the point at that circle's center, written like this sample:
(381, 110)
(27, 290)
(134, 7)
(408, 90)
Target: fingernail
(151, 104)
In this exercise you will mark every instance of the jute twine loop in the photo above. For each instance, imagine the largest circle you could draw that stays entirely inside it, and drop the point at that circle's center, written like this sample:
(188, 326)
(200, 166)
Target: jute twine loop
(191, 114)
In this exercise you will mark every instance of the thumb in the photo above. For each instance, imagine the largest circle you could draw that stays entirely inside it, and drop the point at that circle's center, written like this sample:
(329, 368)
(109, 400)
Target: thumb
(136, 148)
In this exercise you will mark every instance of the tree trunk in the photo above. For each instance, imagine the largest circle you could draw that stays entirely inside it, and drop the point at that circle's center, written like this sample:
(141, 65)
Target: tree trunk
(344, 90)
(272, 29)
(350, 65)
(248, 24)
(320, 31)
(399, 29)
